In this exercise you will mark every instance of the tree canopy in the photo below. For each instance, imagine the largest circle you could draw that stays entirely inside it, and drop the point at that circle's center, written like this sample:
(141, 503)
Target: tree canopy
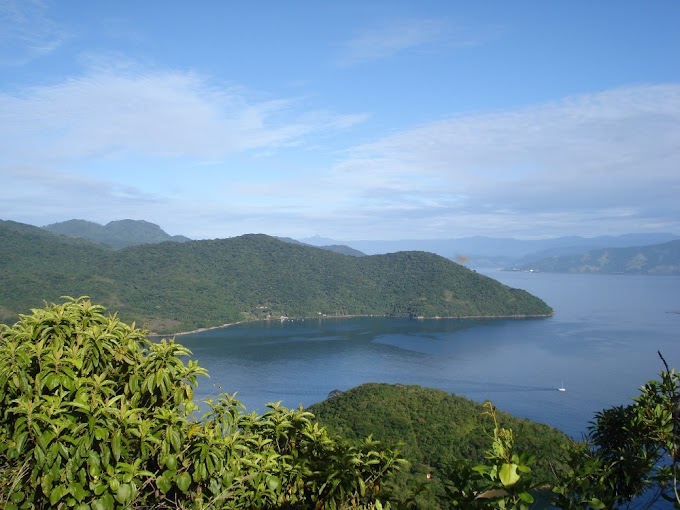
(173, 287)
(95, 416)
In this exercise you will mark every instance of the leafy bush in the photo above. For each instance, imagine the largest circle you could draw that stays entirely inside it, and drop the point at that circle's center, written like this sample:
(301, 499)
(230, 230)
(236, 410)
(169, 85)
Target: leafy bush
(96, 416)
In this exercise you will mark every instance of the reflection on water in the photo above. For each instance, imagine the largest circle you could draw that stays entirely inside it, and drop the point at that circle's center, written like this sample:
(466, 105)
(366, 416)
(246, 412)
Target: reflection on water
(602, 343)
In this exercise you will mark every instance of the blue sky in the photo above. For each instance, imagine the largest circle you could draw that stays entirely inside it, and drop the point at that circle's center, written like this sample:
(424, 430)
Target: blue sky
(351, 120)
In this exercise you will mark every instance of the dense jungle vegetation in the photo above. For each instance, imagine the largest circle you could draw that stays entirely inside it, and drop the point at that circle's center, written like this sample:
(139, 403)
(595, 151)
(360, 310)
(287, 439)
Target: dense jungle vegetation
(172, 287)
(435, 430)
(94, 416)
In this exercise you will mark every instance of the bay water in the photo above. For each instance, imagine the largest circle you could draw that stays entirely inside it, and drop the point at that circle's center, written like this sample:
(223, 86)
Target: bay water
(601, 344)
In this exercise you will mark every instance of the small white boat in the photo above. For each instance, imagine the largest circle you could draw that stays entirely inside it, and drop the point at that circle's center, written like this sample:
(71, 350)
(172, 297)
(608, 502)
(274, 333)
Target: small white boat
(562, 388)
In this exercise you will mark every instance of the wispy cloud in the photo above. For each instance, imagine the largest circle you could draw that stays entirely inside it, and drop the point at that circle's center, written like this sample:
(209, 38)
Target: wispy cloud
(593, 164)
(27, 31)
(611, 157)
(166, 114)
(390, 40)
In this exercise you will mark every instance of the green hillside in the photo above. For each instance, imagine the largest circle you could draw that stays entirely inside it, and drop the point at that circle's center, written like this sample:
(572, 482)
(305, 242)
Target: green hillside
(437, 429)
(117, 234)
(658, 259)
(173, 287)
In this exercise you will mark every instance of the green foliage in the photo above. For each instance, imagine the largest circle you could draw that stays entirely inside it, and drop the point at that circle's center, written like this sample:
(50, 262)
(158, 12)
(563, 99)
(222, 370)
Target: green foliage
(172, 287)
(504, 481)
(629, 459)
(95, 416)
(444, 436)
(630, 452)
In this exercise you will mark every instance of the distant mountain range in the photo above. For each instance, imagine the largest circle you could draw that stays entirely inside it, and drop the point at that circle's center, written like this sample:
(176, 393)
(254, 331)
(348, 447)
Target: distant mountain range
(482, 251)
(658, 259)
(171, 287)
(473, 252)
(337, 248)
(563, 254)
(117, 234)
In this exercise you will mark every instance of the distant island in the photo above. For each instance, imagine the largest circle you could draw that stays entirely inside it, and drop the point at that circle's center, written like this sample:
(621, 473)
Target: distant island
(658, 259)
(172, 287)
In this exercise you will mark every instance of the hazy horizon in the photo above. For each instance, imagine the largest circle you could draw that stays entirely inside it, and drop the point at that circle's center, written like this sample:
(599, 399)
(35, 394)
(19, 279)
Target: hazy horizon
(321, 240)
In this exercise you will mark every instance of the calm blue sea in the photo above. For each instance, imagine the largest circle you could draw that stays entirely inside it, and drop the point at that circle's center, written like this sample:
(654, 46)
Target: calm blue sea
(601, 344)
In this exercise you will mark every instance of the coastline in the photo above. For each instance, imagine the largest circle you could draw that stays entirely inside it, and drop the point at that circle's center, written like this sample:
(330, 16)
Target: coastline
(467, 317)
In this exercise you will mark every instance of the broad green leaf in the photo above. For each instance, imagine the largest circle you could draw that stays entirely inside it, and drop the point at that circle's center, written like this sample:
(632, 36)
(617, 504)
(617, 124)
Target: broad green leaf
(77, 491)
(18, 497)
(163, 483)
(273, 482)
(171, 462)
(57, 493)
(98, 487)
(508, 474)
(526, 497)
(597, 504)
(184, 482)
(124, 493)
(106, 502)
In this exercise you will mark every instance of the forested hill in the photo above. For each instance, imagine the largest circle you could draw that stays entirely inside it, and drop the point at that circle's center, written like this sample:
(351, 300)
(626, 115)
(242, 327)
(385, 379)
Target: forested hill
(437, 429)
(117, 234)
(173, 287)
(659, 259)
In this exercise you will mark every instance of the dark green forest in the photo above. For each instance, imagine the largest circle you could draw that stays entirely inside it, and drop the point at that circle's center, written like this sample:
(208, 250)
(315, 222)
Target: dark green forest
(171, 287)
(435, 431)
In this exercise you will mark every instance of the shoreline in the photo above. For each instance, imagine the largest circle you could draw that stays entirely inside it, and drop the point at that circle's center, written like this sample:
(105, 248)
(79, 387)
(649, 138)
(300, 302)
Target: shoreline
(467, 317)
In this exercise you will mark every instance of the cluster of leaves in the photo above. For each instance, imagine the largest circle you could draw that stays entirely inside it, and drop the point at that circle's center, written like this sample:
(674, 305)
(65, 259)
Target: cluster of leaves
(504, 481)
(631, 453)
(172, 287)
(629, 459)
(95, 416)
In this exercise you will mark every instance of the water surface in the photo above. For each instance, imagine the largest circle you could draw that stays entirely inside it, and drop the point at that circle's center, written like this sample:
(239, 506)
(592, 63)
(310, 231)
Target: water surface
(601, 343)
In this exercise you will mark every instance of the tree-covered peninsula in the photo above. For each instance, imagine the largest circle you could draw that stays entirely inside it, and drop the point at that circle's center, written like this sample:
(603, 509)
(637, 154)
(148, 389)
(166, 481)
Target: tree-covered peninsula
(437, 432)
(171, 287)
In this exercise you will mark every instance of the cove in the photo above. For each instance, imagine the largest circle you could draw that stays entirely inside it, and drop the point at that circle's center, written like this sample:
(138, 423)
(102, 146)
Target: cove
(601, 343)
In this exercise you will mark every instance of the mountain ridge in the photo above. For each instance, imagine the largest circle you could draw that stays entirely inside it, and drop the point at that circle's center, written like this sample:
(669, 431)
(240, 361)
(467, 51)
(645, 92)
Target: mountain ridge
(656, 259)
(479, 251)
(117, 234)
(171, 287)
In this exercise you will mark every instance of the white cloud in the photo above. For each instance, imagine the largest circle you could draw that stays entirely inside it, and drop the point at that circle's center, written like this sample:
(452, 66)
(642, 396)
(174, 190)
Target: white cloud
(27, 31)
(591, 156)
(390, 40)
(166, 114)
(594, 164)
